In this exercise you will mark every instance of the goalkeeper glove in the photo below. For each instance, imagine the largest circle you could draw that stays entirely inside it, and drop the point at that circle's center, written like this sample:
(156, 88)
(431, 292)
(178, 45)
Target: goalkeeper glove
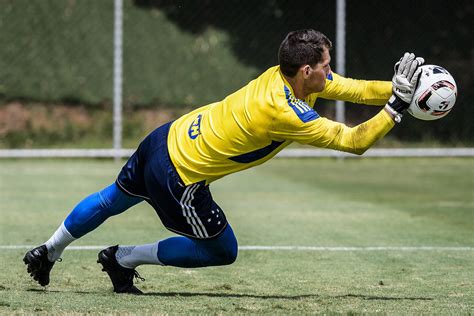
(405, 80)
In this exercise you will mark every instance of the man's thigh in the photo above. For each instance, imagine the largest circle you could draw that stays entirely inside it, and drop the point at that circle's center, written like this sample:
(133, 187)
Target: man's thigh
(186, 210)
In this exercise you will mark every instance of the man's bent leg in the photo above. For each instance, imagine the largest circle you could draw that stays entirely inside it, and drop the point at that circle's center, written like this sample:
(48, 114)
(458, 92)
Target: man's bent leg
(193, 253)
(85, 217)
(96, 208)
(182, 252)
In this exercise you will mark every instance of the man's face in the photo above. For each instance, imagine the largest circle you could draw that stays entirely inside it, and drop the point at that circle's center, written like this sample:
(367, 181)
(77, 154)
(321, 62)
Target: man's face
(316, 76)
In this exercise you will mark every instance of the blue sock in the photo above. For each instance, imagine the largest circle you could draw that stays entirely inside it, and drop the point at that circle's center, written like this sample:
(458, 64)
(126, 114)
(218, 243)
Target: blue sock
(187, 252)
(96, 208)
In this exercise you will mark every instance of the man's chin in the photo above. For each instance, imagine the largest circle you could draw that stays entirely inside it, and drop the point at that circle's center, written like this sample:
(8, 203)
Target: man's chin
(320, 89)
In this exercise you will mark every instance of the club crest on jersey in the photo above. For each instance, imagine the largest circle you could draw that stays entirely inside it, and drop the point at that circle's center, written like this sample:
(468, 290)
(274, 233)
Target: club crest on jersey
(195, 128)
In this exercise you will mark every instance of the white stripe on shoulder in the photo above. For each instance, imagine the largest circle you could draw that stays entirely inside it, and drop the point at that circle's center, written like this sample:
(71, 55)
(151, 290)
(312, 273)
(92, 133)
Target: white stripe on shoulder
(298, 106)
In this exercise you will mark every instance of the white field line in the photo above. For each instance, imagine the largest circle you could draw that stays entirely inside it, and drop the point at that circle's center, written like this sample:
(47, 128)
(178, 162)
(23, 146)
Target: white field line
(285, 153)
(290, 248)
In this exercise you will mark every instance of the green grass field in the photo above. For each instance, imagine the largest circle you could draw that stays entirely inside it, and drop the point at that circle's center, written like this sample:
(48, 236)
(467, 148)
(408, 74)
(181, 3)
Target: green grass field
(287, 202)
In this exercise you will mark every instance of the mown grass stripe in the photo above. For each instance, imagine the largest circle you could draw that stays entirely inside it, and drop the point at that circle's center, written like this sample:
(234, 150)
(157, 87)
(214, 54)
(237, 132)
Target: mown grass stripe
(291, 248)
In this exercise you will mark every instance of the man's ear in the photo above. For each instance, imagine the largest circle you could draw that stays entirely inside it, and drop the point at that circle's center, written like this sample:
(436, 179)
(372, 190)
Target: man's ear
(306, 71)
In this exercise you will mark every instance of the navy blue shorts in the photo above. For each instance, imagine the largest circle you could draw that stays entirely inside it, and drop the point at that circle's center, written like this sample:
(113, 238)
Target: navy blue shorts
(150, 174)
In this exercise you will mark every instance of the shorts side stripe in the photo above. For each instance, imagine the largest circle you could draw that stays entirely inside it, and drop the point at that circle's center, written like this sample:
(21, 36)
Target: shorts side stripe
(184, 202)
(189, 209)
(184, 197)
(197, 217)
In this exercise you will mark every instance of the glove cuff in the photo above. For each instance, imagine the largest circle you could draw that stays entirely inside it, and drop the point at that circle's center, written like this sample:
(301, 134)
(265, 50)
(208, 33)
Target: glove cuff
(397, 117)
(397, 104)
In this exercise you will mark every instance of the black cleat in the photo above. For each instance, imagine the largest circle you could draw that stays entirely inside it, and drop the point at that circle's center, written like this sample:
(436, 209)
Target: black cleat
(122, 278)
(38, 265)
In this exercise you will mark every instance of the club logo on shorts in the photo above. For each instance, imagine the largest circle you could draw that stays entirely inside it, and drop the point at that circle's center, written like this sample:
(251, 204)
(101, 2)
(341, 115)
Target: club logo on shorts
(195, 128)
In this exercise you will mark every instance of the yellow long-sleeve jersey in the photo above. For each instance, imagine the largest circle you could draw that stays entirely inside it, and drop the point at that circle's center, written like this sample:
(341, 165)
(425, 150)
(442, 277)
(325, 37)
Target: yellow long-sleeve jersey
(254, 123)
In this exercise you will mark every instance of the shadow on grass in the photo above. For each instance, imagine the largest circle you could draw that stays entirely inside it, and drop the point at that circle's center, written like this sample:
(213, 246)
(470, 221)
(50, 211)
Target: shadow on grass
(256, 296)
(383, 298)
(285, 297)
(47, 290)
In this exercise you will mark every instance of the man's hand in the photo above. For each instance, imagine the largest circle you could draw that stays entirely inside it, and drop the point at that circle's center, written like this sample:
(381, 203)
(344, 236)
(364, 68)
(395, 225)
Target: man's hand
(405, 79)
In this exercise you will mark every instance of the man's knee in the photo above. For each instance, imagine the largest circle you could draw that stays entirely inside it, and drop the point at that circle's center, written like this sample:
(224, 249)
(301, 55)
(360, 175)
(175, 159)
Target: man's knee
(230, 245)
(222, 257)
(222, 250)
(232, 257)
(230, 254)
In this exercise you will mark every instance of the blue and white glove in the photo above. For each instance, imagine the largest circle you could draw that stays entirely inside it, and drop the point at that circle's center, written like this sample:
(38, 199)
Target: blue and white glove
(404, 81)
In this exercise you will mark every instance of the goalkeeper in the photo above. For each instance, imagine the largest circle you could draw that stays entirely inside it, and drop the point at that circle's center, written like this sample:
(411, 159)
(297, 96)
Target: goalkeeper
(174, 165)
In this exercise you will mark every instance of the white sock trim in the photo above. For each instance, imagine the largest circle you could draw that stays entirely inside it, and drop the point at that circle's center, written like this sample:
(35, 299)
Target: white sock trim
(58, 242)
(132, 256)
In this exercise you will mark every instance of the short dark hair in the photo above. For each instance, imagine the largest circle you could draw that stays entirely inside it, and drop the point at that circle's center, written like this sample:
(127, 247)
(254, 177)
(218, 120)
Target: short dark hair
(302, 47)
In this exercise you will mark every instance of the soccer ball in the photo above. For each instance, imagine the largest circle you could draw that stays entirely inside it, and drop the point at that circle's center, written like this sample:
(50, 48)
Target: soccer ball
(436, 94)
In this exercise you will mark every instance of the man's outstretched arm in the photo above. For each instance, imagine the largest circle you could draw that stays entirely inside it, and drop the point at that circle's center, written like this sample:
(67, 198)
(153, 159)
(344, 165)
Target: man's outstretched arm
(372, 92)
(355, 139)
(309, 128)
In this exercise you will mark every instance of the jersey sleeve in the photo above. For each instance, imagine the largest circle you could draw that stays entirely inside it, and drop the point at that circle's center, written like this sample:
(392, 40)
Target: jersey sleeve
(357, 91)
(296, 122)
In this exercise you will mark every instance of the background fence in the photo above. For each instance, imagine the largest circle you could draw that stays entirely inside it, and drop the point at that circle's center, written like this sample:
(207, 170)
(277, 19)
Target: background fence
(57, 70)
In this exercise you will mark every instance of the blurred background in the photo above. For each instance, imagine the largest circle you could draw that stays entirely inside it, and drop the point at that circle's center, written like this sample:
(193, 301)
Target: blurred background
(57, 62)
